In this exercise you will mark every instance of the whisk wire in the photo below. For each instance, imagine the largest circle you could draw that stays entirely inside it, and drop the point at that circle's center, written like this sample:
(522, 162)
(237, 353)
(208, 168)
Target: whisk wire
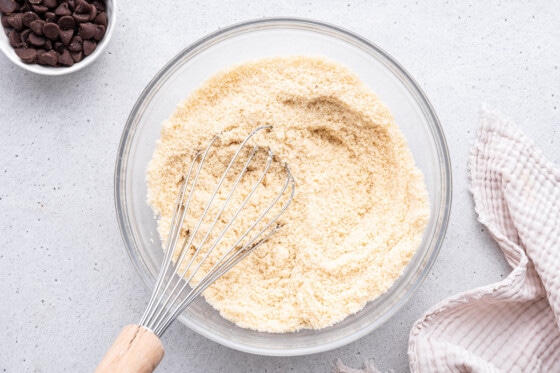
(188, 241)
(160, 309)
(174, 234)
(224, 205)
(165, 304)
(234, 254)
(220, 268)
(166, 263)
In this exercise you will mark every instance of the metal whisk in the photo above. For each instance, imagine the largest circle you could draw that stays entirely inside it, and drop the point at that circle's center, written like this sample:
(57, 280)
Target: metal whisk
(138, 347)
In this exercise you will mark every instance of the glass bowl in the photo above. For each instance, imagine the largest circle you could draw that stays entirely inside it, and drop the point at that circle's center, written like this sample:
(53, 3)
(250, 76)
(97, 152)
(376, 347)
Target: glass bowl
(274, 37)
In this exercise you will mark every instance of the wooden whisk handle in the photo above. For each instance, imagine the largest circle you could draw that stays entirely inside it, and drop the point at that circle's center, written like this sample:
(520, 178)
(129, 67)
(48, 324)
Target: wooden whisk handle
(135, 350)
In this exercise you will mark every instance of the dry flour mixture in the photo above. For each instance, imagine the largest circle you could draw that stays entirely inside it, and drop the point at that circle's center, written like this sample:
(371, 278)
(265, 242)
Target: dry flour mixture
(360, 207)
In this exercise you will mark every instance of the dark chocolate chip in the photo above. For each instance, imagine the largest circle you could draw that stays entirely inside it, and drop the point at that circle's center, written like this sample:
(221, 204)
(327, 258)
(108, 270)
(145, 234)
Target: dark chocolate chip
(26, 7)
(89, 47)
(50, 17)
(35, 2)
(27, 55)
(81, 7)
(48, 58)
(29, 17)
(50, 3)
(76, 44)
(58, 46)
(40, 8)
(80, 17)
(101, 19)
(92, 12)
(99, 5)
(77, 56)
(4, 20)
(37, 26)
(7, 6)
(36, 40)
(51, 30)
(66, 36)
(99, 32)
(66, 23)
(71, 4)
(15, 39)
(65, 58)
(16, 21)
(63, 10)
(25, 35)
(87, 30)
(48, 44)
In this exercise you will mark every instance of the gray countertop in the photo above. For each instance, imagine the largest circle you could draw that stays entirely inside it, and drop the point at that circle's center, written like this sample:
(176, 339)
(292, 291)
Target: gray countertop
(66, 282)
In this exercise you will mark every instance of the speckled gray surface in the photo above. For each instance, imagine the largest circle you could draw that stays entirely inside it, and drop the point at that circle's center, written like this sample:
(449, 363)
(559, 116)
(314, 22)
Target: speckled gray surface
(67, 284)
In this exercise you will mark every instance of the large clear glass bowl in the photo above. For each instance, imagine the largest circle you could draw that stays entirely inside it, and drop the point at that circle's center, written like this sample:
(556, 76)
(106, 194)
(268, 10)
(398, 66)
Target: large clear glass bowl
(275, 37)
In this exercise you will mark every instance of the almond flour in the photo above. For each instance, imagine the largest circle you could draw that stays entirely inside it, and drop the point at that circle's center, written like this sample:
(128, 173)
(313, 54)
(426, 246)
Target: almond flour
(360, 207)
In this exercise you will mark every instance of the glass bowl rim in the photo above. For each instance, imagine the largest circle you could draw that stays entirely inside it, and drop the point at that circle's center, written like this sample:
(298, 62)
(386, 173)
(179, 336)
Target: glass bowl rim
(129, 131)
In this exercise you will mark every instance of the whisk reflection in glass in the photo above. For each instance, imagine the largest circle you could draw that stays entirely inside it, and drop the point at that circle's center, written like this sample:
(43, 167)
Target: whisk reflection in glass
(204, 243)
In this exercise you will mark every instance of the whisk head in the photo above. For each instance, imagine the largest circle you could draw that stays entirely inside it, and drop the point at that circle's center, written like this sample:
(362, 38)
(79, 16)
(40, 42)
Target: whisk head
(208, 233)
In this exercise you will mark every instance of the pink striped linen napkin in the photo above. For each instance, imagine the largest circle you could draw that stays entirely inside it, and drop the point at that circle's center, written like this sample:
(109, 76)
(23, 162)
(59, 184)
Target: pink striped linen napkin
(513, 325)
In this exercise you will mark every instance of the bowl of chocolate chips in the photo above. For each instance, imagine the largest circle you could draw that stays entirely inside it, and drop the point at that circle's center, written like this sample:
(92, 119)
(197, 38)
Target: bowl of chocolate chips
(55, 37)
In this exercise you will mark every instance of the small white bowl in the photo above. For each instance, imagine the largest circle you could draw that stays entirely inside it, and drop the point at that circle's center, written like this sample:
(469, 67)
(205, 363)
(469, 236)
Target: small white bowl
(111, 9)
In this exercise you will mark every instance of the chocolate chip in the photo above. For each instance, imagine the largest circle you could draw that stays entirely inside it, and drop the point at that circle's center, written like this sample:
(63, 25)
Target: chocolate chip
(99, 5)
(4, 20)
(99, 32)
(66, 23)
(76, 44)
(15, 20)
(29, 17)
(7, 6)
(25, 35)
(63, 10)
(66, 36)
(48, 44)
(40, 8)
(37, 26)
(36, 40)
(81, 7)
(87, 30)
(51, 30)
(65, 58)
(77, 56)
(27, 55)
(92, 12)
(71, 4)
(80, 17)
(58, 46)
(50, 3)
(35, 2)
(89, 47)
(15, 39)
(50, 17)
(26, 7)
(101, 19)
(47, 58)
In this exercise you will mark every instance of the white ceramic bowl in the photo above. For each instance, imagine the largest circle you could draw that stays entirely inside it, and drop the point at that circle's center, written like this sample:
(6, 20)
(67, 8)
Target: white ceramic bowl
(276, 37)
(111, 9)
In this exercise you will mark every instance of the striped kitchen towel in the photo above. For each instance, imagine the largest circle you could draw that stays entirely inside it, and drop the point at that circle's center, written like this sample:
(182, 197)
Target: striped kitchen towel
(513, 325)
